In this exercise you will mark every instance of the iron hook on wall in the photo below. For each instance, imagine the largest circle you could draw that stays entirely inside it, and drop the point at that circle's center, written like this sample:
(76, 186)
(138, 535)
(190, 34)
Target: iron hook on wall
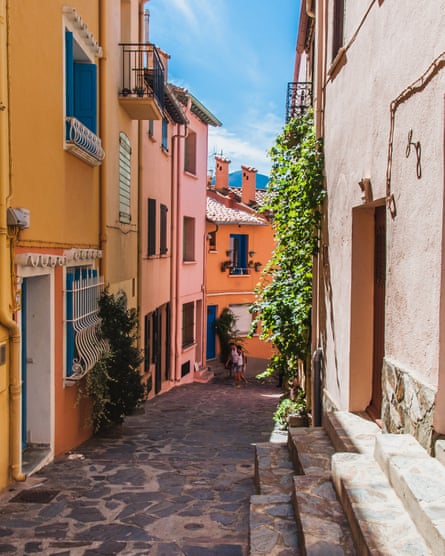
(418, 150)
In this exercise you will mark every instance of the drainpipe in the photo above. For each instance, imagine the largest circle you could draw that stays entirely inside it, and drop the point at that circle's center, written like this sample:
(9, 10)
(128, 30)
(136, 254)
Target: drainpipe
(175, 237)
(6, 320)
(103, 238)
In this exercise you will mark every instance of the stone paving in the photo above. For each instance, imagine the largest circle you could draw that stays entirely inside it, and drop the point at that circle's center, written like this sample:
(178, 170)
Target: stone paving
(174, 480)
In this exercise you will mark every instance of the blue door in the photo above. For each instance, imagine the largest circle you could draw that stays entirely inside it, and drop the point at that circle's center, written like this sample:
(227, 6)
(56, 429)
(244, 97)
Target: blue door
(211, 335)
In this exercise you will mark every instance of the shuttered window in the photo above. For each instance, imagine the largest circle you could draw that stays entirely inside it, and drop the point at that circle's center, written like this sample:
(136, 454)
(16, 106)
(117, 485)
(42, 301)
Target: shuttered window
(190, 153)
(80, 84)
(163, 230)
(151, 239)
(124, 178)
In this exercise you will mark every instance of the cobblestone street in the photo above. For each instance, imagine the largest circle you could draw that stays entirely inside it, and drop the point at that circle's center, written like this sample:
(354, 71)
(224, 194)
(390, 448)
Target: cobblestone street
(176, 479)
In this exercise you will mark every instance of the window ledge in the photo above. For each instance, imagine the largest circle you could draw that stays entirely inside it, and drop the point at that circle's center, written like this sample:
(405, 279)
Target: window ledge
(83, 143)
(190, 262)
(337, 63)
(188, 347)
(190, 174)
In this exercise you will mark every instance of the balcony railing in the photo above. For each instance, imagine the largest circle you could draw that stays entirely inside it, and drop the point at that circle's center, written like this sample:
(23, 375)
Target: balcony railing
(83, 143)
(299, 99)
(143, 78)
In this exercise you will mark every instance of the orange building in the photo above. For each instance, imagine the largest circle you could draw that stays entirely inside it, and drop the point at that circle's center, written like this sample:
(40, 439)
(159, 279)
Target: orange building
(239, 244)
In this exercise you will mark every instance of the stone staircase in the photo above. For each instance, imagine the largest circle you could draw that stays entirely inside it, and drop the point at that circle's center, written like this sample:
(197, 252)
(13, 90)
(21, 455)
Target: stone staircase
(346, 488)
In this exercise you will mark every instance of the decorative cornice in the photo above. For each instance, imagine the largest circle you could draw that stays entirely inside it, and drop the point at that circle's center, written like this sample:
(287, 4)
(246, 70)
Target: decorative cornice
(82, 30)
(75, 255)
(41, 260)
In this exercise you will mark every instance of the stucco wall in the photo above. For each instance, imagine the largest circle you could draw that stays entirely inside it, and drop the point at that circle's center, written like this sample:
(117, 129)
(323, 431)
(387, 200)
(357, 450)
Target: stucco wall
(395, 45)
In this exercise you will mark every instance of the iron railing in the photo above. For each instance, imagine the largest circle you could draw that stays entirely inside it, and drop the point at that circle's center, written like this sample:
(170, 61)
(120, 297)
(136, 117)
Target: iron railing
(83, 143)
(143, 72)
(299, 99)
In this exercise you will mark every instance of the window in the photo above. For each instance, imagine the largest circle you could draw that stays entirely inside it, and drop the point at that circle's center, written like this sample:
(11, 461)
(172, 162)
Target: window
(165, 134)
(190, 153)
(83, 287)
(188, 239)
(188, 324)
(163, 230)
(124, 178)
(151, 240)
(337, 32)
(147, 342)
(211, 236)
(238, 253)
(243, 318)
(80, 84)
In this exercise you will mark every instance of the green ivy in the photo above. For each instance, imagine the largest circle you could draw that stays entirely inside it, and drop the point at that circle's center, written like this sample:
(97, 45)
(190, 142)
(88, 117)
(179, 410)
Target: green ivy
(294, 198)
(225, 328)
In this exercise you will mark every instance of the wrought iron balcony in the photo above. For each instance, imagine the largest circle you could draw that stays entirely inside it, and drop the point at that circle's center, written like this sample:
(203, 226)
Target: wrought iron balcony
(143, 75)
(299, 99)
(83, 143)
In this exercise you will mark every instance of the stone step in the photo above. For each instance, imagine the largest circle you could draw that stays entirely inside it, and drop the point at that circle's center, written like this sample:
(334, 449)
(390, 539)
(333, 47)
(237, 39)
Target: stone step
(321, 521)
(323, 528)
(310, 450)
(273, 469)
(272, 526)
(378, 520)
(351, 432)
(419, 481)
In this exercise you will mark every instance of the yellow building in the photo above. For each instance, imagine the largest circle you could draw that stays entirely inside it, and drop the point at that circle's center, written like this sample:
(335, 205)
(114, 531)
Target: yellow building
(74, 85)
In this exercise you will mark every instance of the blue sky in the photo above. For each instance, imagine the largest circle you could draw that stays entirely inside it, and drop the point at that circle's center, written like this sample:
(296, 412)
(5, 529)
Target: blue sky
(236, 57)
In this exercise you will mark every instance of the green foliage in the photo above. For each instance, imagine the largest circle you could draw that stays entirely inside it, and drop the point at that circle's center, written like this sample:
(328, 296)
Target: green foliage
(294, 198)
(114, 384)
(290, 406)
(225, 328)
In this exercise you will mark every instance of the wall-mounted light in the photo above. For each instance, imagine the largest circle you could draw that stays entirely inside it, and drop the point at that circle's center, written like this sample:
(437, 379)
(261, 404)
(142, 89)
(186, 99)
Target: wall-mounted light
(251, 253)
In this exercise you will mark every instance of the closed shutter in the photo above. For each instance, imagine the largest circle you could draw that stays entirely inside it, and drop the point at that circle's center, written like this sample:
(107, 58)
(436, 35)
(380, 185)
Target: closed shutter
(85, 95)
(124, 179)
(151, 227)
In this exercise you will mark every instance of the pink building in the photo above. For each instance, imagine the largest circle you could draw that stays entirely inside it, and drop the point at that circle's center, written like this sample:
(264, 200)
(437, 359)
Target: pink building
(172, 247)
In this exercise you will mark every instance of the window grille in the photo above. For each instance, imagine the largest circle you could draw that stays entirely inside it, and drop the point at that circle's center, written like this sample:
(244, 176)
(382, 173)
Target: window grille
(84, 346)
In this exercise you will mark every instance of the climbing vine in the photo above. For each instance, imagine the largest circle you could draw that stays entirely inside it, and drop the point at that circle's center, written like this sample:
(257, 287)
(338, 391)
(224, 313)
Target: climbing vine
(293, 199)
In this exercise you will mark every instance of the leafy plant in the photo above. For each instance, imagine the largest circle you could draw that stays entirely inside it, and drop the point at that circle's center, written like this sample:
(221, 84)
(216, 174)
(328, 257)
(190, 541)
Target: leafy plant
(225, 328)
(294, 198)
(290, 406)
(114, 384)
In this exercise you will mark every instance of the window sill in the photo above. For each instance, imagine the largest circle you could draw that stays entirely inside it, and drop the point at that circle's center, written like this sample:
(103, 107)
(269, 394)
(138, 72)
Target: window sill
(190, 262)
(337, 63)
(191, 174)
(188, 347)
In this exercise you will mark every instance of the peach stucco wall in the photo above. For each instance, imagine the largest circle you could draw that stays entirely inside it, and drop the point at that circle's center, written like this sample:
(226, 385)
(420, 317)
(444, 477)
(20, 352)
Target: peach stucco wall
(392, 49)
(224, 289)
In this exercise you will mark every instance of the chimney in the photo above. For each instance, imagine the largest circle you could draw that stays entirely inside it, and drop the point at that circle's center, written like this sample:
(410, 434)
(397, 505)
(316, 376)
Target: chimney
(248, 184)
(221, 172)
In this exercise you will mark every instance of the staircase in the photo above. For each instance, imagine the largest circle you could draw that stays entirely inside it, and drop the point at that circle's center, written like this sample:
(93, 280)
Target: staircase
(345, 489)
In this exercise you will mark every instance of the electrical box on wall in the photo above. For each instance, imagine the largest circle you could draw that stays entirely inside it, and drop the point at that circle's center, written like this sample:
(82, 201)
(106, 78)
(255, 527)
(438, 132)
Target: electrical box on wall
(19, 217)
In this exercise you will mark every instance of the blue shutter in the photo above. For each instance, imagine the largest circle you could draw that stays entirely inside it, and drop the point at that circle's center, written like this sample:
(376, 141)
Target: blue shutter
(69, 74)
(85, 94)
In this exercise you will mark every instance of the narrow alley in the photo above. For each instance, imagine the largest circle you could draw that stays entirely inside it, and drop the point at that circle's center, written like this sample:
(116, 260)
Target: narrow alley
(176, 479)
